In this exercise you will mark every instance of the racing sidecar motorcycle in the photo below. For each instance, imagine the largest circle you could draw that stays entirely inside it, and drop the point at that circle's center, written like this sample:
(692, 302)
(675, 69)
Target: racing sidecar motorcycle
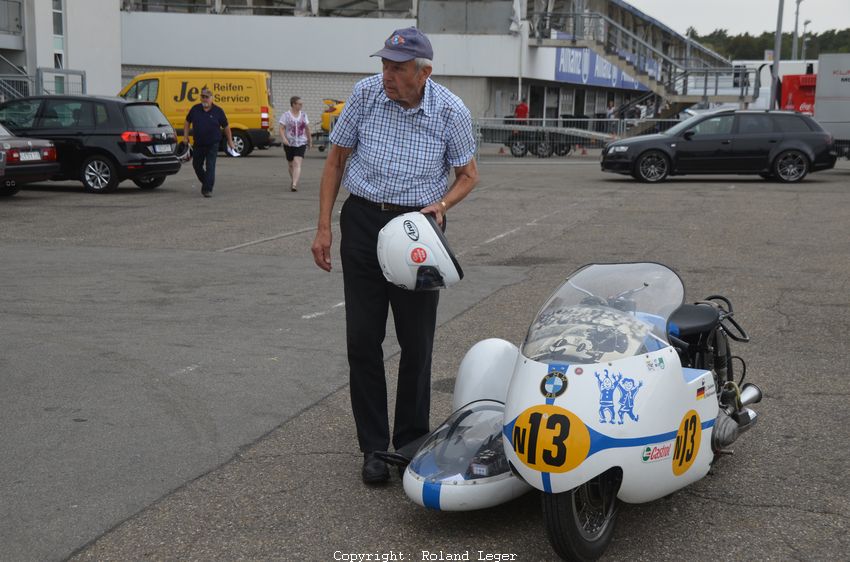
(620, 392)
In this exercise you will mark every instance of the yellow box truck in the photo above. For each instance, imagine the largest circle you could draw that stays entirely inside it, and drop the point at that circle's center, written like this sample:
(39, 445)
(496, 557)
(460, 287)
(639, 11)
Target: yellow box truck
(245, 96)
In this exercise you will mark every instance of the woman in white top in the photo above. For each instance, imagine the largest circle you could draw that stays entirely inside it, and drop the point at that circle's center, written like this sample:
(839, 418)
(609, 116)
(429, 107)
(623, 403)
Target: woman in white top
(295, 134)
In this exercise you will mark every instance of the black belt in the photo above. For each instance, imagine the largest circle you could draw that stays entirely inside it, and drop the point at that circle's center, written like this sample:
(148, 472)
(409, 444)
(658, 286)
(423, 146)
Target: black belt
(391, 207)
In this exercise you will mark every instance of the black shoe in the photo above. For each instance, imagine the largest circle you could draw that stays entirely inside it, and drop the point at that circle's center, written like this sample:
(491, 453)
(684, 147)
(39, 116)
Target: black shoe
(206, 193)
(375, 470)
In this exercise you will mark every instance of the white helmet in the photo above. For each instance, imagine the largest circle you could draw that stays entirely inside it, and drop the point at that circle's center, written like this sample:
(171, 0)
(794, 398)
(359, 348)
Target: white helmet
(183, 152)
(414, 254)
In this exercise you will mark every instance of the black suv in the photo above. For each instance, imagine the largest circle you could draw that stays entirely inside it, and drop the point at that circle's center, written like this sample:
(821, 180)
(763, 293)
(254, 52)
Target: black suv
(100, 141)
(779, 145)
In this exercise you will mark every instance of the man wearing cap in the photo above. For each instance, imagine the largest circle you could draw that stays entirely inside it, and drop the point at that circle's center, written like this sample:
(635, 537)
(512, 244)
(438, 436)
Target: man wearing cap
(207, 121)
(400, 135)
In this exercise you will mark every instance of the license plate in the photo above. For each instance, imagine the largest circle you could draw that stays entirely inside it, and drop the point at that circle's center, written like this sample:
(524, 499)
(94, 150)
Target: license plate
(28, 156)
(162, 148)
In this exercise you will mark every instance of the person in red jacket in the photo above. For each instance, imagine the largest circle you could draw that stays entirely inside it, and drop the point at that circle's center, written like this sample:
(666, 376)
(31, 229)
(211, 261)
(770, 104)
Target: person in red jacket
(521, 110)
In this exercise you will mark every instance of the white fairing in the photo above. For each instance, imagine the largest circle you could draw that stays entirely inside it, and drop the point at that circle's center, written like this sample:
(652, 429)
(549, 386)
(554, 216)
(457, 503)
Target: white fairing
(591, 428)
(485, 372)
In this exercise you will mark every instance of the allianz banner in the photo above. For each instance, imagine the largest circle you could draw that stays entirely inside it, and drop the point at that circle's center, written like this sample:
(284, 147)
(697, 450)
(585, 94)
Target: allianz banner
(583, 66)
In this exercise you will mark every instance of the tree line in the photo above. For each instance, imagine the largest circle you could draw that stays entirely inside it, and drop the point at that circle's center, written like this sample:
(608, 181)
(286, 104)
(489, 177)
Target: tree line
(752, 47)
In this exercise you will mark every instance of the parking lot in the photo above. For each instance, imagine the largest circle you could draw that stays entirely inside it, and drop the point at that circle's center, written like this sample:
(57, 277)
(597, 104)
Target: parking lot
(173, 380)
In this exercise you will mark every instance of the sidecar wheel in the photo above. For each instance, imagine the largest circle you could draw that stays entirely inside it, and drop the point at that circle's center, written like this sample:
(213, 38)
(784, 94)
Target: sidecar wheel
(580, 523)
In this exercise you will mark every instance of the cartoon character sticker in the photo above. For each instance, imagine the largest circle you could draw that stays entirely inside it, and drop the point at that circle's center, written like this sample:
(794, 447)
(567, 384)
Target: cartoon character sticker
(608, 384)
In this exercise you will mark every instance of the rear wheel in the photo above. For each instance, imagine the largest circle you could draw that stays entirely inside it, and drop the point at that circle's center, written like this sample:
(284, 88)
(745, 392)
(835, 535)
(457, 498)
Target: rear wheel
(518, 149)
(99, 174)
(149, 182)
(791, 166)
(8, 190)
(652, 166)
(242, 143)
(580, 523)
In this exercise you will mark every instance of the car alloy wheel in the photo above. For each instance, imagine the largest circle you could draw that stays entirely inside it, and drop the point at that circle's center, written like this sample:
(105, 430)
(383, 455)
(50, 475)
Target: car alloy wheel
(791, 166)
(652, 166)
(99, 174)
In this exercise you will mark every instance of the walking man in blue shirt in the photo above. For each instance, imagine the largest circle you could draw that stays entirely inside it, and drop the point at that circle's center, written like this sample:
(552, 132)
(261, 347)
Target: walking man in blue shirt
(400, 134)
(207, 121)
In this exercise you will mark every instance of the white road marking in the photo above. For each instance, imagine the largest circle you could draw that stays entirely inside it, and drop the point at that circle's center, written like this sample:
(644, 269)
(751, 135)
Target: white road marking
(269, 239)
(322, 313)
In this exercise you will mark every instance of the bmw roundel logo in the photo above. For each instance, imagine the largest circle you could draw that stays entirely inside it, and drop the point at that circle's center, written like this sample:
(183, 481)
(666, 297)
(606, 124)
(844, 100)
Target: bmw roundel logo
(411, 230)
(553, 384)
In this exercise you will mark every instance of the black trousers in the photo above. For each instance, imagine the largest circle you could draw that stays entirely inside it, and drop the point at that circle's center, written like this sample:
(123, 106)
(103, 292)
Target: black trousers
(368, 298)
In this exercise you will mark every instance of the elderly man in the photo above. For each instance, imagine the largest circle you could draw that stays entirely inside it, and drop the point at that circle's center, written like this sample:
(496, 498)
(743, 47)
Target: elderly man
(207, 121)
(400, 134)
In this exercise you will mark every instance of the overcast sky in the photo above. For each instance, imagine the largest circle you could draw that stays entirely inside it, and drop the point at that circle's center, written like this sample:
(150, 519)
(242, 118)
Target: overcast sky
(739, 16)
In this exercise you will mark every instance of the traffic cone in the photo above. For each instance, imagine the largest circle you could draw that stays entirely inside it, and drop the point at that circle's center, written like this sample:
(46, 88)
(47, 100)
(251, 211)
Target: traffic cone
(501, 150)
(583, 151)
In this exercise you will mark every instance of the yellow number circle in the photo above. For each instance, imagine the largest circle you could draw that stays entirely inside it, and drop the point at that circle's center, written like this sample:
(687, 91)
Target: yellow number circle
(550, 439)
(687, 443)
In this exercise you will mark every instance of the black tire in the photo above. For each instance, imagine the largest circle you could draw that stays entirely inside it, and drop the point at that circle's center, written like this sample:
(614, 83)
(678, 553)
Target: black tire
(8, 190)
(563, 149)
(99, 174)
(652, 166)
(149, 182)
(791, 166)
(321, 148)
(242, 143)
(580, 523)
(544, 149)
(518, 149)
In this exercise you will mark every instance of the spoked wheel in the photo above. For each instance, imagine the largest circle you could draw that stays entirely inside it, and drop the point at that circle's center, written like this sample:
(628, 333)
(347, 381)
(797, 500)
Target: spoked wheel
(580, 523)
(544, 149)
(791, 166)
(652, 166)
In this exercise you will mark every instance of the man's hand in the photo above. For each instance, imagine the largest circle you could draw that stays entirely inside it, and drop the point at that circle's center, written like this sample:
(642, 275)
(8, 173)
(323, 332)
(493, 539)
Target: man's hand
(322, 248)
(437, 209)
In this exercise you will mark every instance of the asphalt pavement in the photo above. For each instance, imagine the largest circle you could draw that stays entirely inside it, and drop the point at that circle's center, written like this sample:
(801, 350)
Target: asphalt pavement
(173, 383)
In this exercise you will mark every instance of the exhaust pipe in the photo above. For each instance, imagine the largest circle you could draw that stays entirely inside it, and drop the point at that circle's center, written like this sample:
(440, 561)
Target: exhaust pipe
(727, 428)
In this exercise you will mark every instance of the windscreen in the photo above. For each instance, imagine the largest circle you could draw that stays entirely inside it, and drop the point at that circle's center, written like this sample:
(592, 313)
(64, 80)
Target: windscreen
(605, 312)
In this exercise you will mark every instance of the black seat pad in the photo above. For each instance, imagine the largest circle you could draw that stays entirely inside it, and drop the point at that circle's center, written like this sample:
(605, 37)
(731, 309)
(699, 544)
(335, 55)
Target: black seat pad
(692, 319)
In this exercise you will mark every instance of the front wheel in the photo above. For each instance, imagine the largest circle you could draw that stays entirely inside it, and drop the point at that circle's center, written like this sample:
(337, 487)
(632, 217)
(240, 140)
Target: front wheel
(791, 166)
(580, 522)
(652, 166)
(242, 143)
(518, 149)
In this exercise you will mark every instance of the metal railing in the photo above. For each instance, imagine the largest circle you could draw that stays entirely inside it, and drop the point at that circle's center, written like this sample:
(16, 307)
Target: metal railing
(168, 6)
(15, 86)
(10, 16)
(694, 78)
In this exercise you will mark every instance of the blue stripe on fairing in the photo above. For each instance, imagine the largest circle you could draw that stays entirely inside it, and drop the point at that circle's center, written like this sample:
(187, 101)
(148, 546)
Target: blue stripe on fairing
(431, 494)
(547, 482)
(599, 442)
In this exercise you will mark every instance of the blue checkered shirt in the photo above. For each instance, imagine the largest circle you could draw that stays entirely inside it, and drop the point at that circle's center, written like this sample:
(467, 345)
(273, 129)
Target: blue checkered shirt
(403, 156)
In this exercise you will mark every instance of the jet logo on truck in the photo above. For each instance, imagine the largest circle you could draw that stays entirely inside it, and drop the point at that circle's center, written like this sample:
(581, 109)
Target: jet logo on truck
(191, 94)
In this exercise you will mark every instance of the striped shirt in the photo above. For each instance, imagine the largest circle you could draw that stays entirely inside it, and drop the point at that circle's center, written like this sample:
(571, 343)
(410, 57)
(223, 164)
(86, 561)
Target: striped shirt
(403, 156)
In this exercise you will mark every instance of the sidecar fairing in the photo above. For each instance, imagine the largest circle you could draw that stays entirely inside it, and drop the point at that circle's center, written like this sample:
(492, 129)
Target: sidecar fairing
(462, 464)
(598, 387)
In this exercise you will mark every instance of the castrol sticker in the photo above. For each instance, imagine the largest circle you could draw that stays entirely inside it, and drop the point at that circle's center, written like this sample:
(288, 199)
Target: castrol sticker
(418, 254)
(658, 452)
(687, 443)
(548, 438)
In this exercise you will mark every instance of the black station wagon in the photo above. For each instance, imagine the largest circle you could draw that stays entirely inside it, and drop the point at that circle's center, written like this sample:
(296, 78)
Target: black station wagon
(100, 141)
(780, 145)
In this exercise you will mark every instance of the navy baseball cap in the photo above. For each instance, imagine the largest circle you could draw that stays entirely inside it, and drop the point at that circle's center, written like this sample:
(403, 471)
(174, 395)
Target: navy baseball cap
(406, 44)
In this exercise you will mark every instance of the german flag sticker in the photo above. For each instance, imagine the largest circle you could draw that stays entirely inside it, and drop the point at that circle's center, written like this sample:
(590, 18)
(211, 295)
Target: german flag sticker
(701, 391)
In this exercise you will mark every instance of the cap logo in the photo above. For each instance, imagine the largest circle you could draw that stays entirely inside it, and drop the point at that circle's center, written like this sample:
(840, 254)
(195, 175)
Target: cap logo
(395, 40)
(411, 230)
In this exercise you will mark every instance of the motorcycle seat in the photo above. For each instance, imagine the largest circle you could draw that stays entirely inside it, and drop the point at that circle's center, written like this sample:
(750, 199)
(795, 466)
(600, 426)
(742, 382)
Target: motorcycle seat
(693, 319)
